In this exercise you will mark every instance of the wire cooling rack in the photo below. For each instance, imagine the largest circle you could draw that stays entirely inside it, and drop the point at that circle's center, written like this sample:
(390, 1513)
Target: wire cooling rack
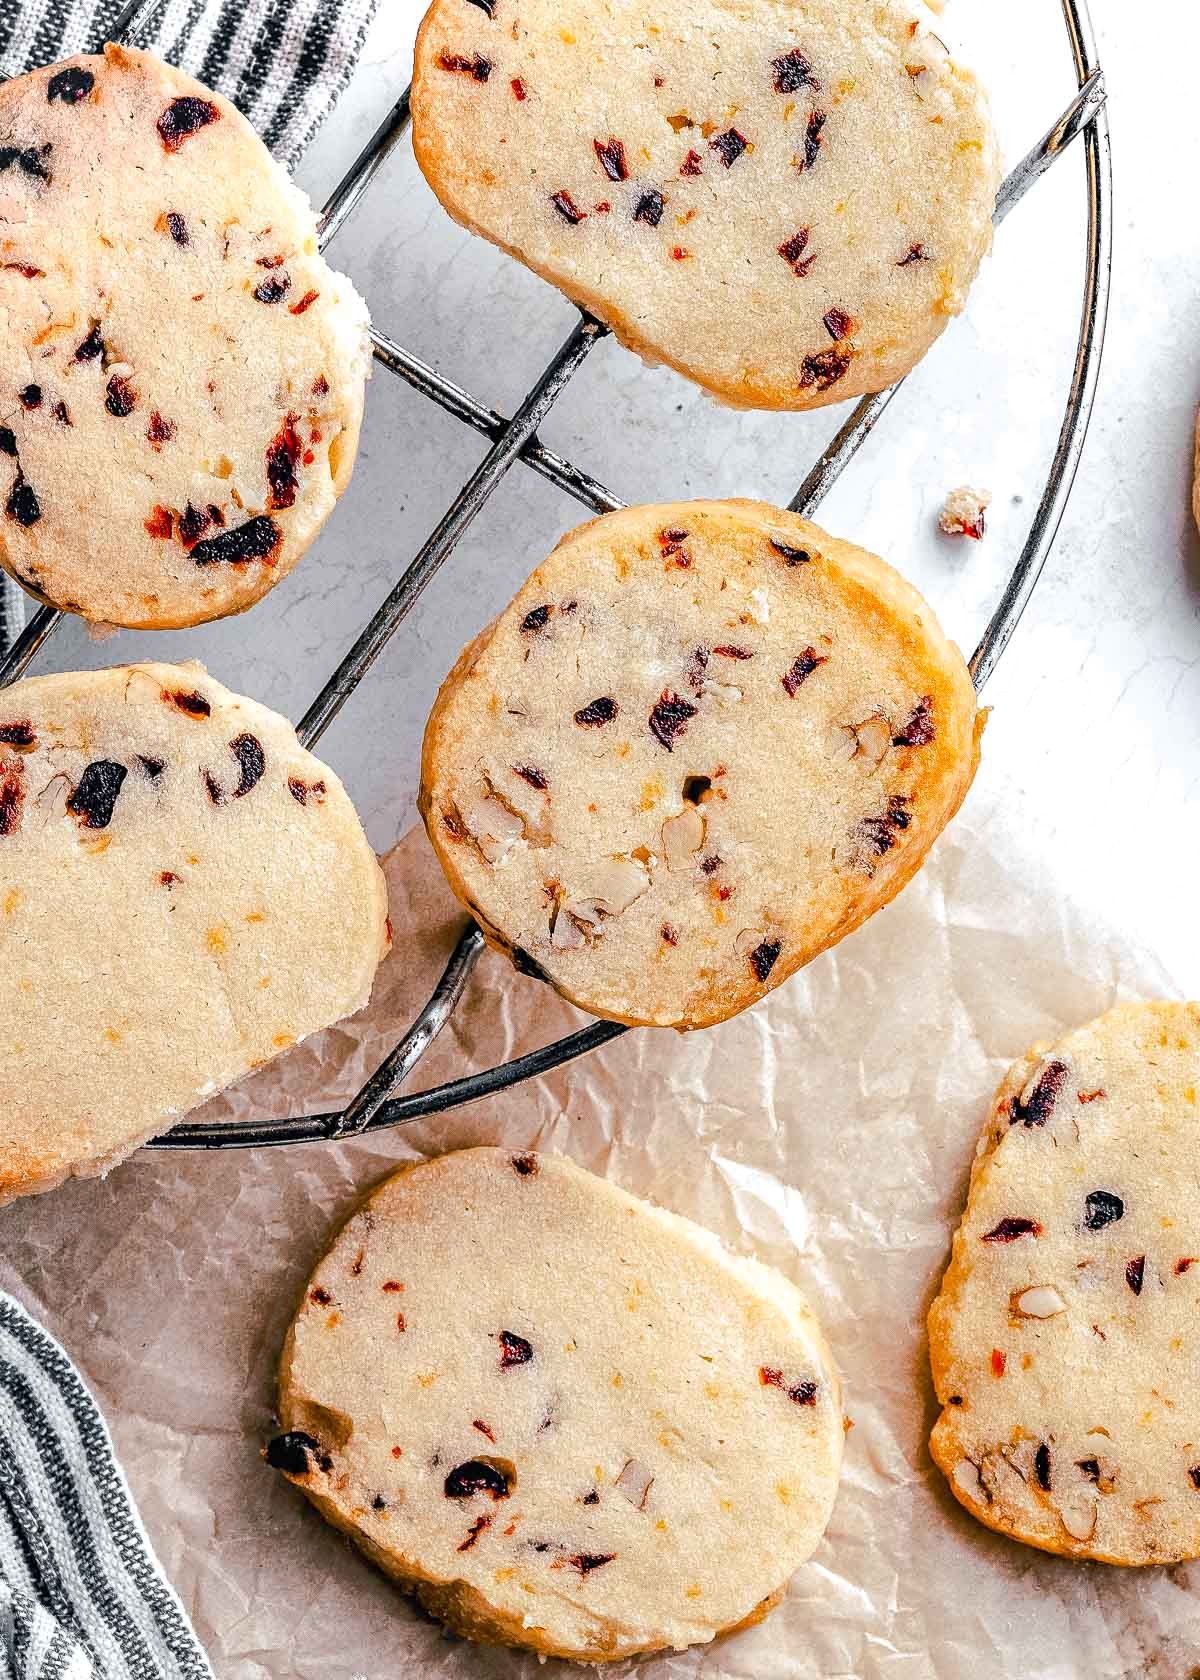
(516, 439)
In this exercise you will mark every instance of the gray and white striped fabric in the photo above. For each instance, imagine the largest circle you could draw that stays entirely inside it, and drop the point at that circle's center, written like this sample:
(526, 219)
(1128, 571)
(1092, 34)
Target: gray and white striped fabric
(282, 62)
(82, 1596)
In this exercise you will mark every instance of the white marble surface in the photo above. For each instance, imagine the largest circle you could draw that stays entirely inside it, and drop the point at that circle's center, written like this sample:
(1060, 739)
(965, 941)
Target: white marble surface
(1094, 698)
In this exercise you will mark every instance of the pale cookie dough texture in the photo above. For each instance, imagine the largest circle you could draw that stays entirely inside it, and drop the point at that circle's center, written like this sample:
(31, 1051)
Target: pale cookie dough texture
(184, 893)
(704, 742)
(1064, 1337)
(564, 1418)
(181, 373)
(784, 200)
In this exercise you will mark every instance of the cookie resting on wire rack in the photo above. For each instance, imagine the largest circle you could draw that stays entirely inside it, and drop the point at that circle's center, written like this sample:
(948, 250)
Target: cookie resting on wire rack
(181, 373)
(1064, 1337)
(784, 200)
(609, 1436)
(184, 893)
(704, 742)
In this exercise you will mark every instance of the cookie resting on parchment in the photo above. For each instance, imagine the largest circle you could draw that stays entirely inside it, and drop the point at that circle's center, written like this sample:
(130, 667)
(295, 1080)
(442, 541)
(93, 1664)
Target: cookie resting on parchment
(784, 200)
(1064, 1337)
(181, 373)
(564, 1418)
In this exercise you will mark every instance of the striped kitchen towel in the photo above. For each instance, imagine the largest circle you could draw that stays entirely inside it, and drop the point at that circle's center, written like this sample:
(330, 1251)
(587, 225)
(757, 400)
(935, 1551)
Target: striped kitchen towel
(282, 62)
(82, 1596)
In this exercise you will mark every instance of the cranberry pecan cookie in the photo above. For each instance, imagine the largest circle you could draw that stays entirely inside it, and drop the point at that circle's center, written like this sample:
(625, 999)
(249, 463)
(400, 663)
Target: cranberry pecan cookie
(784, 200)
(566, 1419)
(181, 374)
(184, 893)
(1063, 1340)
(704, 742)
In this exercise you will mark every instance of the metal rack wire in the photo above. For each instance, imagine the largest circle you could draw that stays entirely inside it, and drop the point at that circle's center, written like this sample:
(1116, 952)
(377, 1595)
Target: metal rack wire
(516, 438)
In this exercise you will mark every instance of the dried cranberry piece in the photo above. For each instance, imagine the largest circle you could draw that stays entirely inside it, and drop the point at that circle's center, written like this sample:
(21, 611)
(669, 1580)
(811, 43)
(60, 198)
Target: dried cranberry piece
(92, 346)
(531, 774)
(70, 85)
(727, 651)
(27, 270)
(792, 72)
(792, 251)
(914, 254)
(8, 441)
(669, 934)
(697, 665)
(597, 712)
(838, 324)
(193, 523)
(611, 154)
(536, 620)
(813, 137)
(28, 160)
(520, 91)
(1194, 1473)
(729, 146)
(30, 397)
(917, 730)
(159, 431)
(525, 1166)
(1102, 1207)
(1090, 1468)
(880, 832)
(591, 1498)
(193, 702)
(1009, 1229)
(62, 414)
(1135, 1272)
(177, 228)
(160, 524)
(95, 796)
(274, 287)
(475, 1530)
(291, 1453)
(693, 164)
(649, 207)
(213, 787)
(791, 556)
(252, 760)
(477, 67)
(22, 504)
(121, 399)
(670, 717)
(514, 1350)
(802, 668)
(1041, 1467)
(585, 1562)
(1042, 1098)
(567, 208)
(12, 795)
(183, 118)
(825, 368)
(153, 767)
(764, 957)
(283, 452)
(18, 734)
(257, 539)
(305, 303)
(476, 1476)
(488, 6)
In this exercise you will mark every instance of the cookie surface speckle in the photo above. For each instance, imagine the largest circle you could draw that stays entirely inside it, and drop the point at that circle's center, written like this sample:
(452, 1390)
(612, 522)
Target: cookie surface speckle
(1063, 1337)
(786, 202)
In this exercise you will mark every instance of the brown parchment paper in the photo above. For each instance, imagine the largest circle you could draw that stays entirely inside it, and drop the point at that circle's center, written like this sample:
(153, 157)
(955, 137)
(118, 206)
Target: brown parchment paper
(829, 1130)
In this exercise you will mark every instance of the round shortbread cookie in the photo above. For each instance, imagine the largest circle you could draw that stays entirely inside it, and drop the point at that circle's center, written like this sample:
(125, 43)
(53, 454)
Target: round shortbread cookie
(704, 742)
(1062, 1339)
(567, 1419)
(784, 200)
(184, 893)
(181, 374)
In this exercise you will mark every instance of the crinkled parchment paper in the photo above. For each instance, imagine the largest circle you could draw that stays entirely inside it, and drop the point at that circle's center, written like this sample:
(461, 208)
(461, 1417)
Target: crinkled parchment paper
(829, 1130)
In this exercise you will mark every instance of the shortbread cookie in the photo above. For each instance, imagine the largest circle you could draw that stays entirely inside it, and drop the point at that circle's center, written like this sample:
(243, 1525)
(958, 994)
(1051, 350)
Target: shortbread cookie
(181, 373)
(784, 200)
(704, 742)
(1063, 1339)
(184, 893)
(567, 1419)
